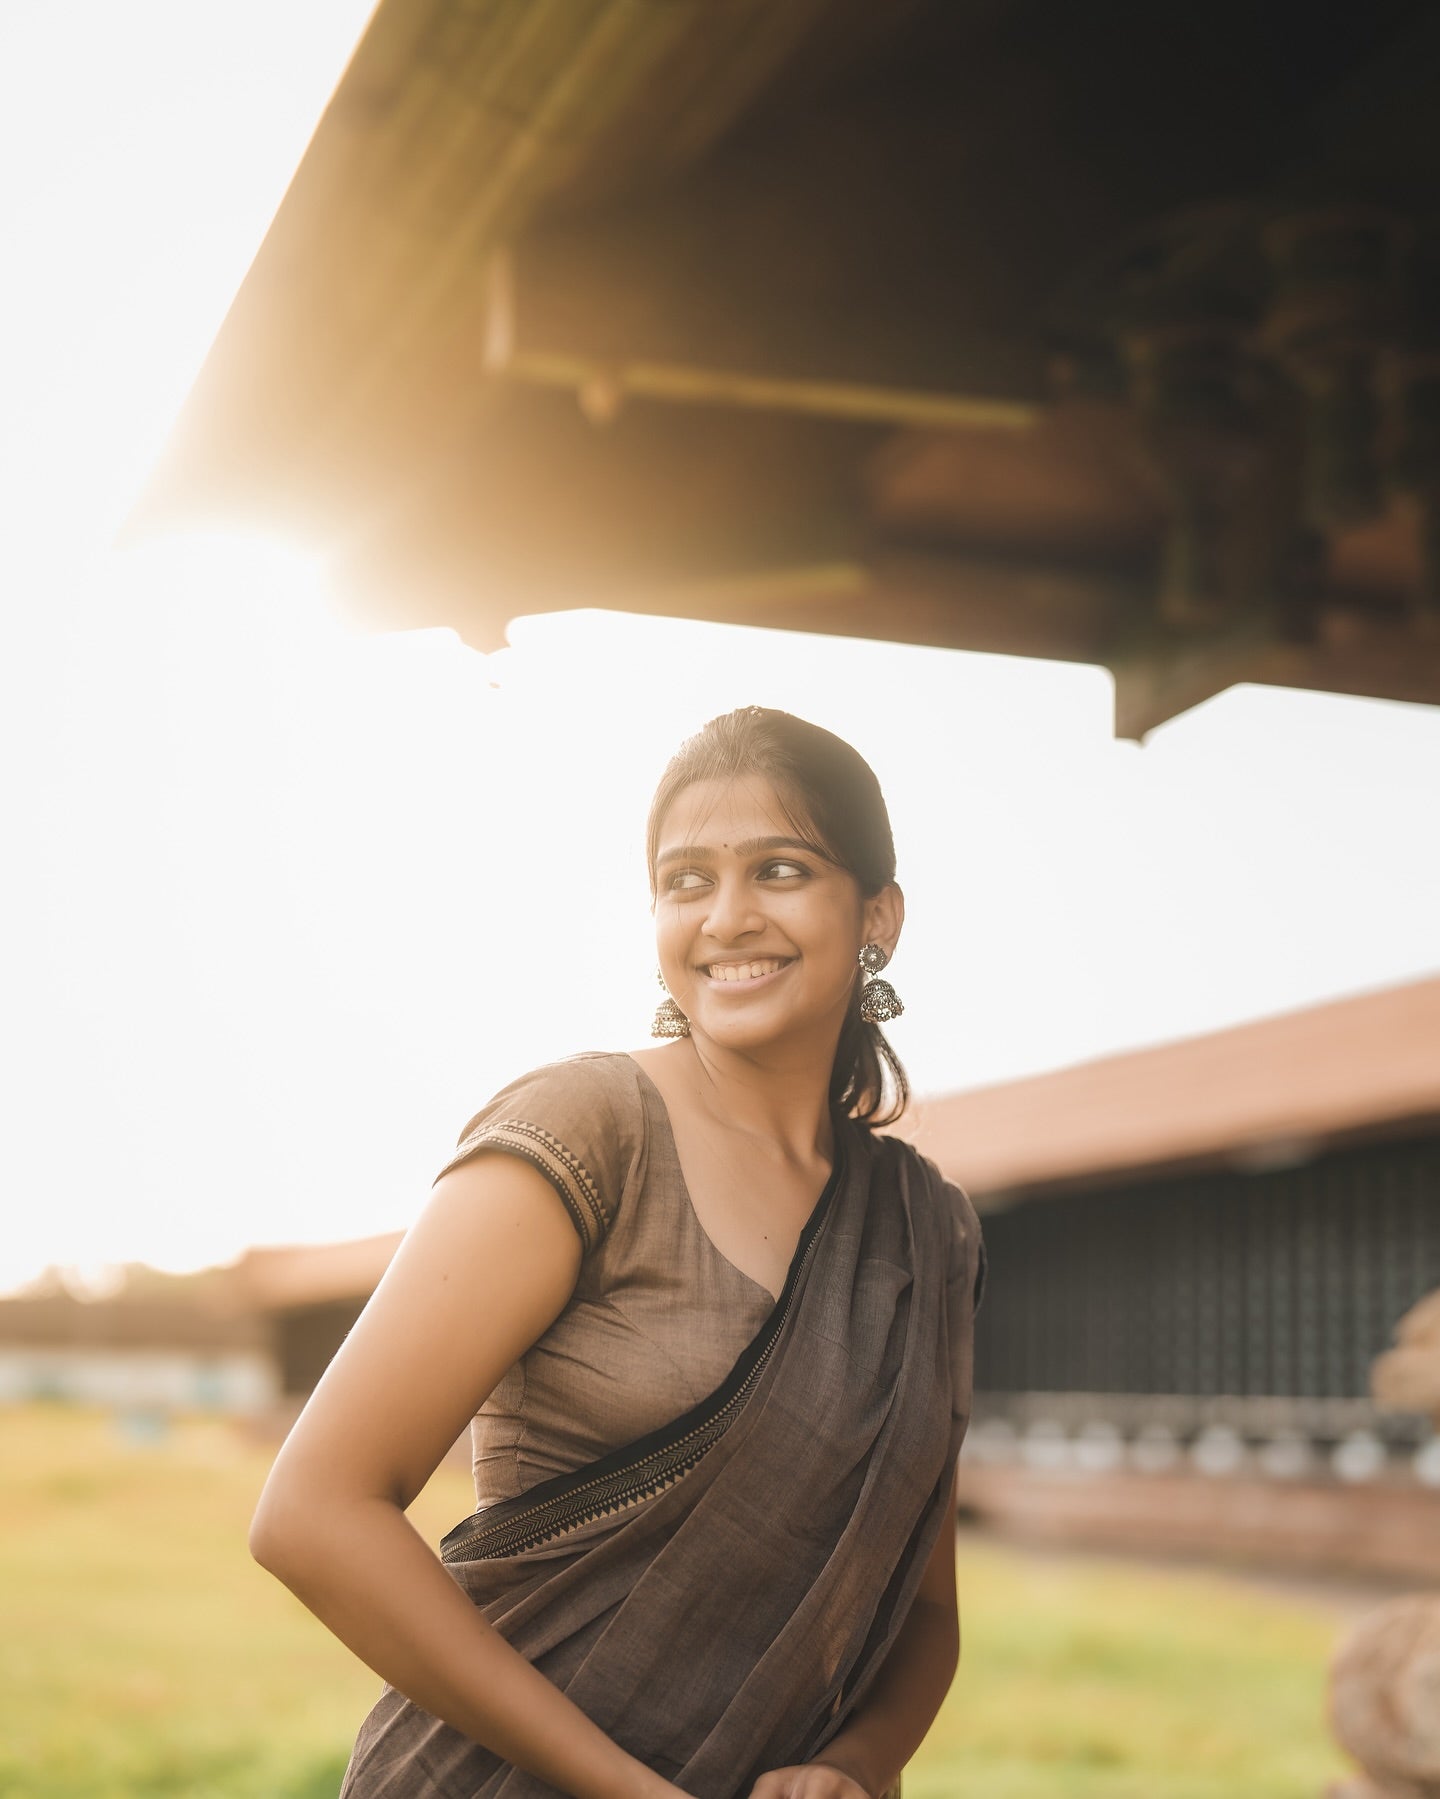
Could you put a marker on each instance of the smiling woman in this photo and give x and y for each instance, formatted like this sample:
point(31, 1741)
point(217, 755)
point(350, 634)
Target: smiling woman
point(714, 1337)
point(820, 801)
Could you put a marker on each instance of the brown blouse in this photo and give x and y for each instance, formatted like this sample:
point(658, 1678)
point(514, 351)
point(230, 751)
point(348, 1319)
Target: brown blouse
point(658, 1316)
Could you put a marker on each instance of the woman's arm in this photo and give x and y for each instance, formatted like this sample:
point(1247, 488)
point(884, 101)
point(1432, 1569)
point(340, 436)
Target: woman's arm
point(485, 1270)
point(877, 1741)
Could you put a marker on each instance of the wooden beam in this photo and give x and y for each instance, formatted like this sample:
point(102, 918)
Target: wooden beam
point(603, 387)
point(604, 378)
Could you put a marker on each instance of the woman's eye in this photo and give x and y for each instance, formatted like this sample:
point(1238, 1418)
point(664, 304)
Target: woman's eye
point(784, 869)
point(684, 878)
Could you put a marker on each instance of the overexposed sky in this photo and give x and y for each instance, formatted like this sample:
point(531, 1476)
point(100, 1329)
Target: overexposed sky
point(288, 902)
point(144, 148)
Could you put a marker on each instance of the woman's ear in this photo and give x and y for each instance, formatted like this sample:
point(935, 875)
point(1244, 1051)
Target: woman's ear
point(885, 917)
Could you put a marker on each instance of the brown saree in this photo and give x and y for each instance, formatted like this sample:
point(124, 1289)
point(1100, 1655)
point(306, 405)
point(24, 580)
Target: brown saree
point(719, 1595)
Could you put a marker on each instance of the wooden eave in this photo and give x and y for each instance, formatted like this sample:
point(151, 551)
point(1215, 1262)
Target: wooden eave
point(745, 311)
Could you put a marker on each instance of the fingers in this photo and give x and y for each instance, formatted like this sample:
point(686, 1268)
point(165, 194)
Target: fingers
point(810, 1781)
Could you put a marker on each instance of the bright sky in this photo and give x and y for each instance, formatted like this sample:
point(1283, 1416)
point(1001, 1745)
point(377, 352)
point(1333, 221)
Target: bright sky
point(288, 902)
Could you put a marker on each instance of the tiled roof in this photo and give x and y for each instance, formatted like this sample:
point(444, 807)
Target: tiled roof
point(1262, 1093)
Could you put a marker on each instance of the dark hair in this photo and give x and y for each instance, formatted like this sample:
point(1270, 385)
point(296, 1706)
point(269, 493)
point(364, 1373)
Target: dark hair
point(831, 794)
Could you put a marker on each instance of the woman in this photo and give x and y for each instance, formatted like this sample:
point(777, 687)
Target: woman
point(715, 1336)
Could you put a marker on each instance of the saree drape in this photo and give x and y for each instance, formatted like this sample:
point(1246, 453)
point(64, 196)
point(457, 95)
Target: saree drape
point(719, 1596)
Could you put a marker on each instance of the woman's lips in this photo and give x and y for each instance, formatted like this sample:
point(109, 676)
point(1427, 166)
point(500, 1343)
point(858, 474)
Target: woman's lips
point(745, 974)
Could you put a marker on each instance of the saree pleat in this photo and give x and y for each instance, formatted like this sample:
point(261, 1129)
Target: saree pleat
point(732, 1621)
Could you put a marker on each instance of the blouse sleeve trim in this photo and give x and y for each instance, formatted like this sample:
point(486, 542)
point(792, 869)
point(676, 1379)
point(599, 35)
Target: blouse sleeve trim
point(564, 1170)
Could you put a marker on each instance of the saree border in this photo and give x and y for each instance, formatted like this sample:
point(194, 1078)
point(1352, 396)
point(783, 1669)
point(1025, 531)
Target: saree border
point(650, 1464)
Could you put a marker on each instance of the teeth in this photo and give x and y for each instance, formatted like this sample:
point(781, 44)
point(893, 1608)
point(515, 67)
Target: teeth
point(743, 971)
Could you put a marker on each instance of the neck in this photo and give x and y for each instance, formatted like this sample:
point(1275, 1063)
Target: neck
point(780, 1096)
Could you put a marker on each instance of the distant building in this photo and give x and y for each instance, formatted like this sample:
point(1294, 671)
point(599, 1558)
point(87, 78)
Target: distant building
point(1196, 1252)
point(136, 1353)
point(309, 1295)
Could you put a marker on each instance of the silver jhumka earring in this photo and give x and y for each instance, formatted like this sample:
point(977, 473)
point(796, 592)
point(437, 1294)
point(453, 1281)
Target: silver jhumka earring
point(878, 999)
point(669, 1020)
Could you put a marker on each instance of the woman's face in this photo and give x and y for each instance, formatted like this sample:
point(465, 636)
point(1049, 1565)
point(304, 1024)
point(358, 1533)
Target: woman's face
point(757, 934)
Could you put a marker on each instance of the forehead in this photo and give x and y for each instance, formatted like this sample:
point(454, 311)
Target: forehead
point(714, 813)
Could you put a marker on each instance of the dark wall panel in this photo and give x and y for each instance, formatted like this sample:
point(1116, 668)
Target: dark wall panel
point(1284, 1283)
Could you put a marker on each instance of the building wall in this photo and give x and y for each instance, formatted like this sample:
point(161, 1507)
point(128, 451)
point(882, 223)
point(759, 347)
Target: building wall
point(306, 1337)
point(236, 1382)
point(1181, 1366)
point(1255, 1299)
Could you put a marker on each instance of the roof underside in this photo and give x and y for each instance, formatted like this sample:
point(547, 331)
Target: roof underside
point(999, 324)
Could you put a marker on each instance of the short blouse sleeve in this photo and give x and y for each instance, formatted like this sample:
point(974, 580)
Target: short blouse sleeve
point(580, 1123)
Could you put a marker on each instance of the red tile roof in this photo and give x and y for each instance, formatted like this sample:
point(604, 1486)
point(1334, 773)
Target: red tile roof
point(1256, 1094)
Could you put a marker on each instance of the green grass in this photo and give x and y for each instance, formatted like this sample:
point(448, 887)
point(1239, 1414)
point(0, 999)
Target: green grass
point(143, 1653)
point(1090, 1676)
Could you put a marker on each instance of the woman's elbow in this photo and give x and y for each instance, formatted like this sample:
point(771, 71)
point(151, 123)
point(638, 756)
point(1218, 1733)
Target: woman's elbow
point(278, 1531)
point(304, 1527)
point(266, 1538)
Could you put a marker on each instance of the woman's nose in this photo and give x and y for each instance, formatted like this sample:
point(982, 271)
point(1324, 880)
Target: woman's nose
point(732, 911)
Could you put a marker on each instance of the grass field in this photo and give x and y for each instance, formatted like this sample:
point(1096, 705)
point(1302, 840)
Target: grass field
point(142, 1652)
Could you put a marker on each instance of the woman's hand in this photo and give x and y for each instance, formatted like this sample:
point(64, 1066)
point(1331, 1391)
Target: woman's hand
point(811, 1780)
